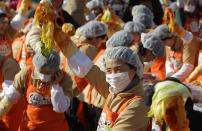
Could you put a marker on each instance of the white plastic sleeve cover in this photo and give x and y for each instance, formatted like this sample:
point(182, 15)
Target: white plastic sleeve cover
point(184, 72)
point(169, 69)
point(59, 101)
point(80, 64)
point(187, 37)
point(33, 39)
point(10, 92)
point(17, 22)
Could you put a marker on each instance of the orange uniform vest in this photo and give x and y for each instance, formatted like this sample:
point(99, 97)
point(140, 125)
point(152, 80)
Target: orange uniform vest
point(176, 59)
point(108, 118)
point(158, 68)
point(6, 47)
point(23, 56)
point(12, 119)
point(41, 117)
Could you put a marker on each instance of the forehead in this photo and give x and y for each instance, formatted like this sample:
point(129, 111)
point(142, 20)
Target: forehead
point(113, 63)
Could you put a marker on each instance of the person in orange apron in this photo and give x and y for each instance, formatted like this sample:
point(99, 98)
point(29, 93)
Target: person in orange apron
point(154, 53)
point(9, 68)
point(119, 83)
point(47, 91)
point(8, 29)
point(181, 51)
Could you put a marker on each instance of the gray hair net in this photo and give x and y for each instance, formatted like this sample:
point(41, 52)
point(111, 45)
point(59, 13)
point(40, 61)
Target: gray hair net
point(94, 4)
point(154, 44)
point(142, 9)
point(162, 32)
point(126, 55)
point(134, 27)
point(93, 29)
point(120, 38)
point(144, 19)
point(52, 61)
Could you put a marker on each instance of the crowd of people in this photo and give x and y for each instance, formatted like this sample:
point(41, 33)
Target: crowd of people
point(105, 65)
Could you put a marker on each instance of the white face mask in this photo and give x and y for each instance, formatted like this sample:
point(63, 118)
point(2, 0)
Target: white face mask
point(189, 8)
point(118, 81)
point(117, 7)
point(44, 78)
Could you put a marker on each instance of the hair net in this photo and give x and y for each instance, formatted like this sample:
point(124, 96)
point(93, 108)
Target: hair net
point(142, 9)
point(93, 4)
point(154, 44)
point(126, 55)
point(162, 32)
point(52, 61)
point(144, 19)
point(134, 27)
point(93, 29)
point(120, 38)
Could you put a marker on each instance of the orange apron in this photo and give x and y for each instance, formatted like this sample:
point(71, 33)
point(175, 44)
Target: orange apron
point(176, 59)
point(24, 58)
point(158, 68)
point(39, 114)
point(108, 118)
point(12, 119)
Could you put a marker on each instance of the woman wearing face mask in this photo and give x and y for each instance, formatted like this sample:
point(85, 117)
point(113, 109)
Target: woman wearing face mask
point(120, 84)
point(47, 94)
point(91, 95)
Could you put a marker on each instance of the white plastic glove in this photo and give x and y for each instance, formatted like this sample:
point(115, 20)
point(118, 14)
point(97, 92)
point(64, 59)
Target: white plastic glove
point(59, 101)
point(17, 22)
point(10, 92)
